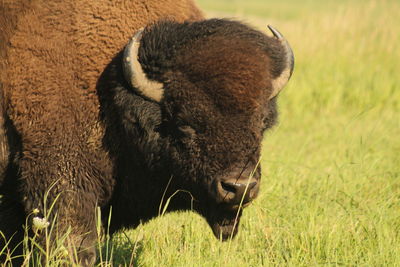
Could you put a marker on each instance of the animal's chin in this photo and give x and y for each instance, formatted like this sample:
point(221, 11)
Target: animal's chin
point(224, 223)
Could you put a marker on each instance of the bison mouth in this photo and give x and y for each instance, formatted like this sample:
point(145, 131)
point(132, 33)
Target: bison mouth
point(224, 222)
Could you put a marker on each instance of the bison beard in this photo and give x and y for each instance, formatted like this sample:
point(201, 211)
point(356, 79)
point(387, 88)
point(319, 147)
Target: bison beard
point(224, 223)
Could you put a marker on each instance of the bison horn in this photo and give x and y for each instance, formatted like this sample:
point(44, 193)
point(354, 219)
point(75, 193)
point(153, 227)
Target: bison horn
point(134, 74)
point(279, 82)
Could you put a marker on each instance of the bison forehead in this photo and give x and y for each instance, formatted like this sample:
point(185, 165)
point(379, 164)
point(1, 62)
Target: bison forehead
point(233, 72)
point(221, 136)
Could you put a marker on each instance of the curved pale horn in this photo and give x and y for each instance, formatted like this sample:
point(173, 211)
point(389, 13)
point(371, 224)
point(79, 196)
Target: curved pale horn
point(279, 82)
point(134, 74)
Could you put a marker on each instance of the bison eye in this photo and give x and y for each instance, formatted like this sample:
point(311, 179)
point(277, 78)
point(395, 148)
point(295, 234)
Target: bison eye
point(187, 131)
point(177, 131)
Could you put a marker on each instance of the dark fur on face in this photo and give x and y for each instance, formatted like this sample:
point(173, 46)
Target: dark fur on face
point(217, 82)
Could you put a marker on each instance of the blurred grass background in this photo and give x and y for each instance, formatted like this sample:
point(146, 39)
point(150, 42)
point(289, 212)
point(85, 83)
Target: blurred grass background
point(331, 168)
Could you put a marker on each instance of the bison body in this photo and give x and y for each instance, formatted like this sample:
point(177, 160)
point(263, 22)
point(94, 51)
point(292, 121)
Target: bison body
point(87, 123)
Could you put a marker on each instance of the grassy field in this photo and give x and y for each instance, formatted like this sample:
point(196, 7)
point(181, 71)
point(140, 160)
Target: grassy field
point(331, 185)
point(331, 168)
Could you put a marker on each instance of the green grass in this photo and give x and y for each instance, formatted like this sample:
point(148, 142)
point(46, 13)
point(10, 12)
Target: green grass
point(331, 169)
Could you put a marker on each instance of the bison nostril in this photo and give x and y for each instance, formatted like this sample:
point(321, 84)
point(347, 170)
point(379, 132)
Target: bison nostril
point(229, 187)
point(252, 185)
point(235, 187)
point(235, 193)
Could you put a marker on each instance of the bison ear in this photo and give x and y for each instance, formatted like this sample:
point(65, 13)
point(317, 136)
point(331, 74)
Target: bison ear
point(280, 82)
point(134, 74)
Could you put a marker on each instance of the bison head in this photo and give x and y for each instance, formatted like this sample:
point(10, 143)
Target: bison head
point(213, 84)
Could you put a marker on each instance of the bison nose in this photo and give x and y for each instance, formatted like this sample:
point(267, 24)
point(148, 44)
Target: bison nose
point(233, 192)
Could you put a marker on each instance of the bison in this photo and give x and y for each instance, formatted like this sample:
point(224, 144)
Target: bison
point(93, 117)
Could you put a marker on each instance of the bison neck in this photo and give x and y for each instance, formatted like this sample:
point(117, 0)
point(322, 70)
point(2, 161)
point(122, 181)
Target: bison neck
point(141, 168)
